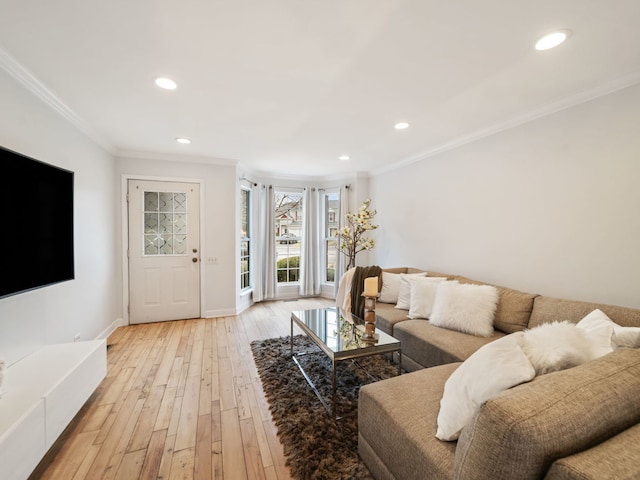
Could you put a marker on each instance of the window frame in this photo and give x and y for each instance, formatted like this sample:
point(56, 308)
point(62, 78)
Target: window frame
point(286, 239)
point(245, 237)
point(329, 229)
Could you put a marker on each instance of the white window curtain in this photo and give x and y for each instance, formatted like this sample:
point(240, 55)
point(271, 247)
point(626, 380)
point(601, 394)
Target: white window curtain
point(264, 287)
point(310, 261)
point(342, 215)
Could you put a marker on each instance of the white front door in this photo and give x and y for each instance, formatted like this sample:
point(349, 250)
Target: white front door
point(164, 251)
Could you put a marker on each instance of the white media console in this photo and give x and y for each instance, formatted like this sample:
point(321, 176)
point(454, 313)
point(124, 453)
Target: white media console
point(45, 390)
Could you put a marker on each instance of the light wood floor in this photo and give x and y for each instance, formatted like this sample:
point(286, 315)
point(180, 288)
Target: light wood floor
point(181, 400)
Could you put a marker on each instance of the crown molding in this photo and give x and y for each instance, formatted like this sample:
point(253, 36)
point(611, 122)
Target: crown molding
point(23, 76)
point(549, 109)
point(176, 157)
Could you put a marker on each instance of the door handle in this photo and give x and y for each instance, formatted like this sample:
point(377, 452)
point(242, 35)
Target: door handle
point(194, 260)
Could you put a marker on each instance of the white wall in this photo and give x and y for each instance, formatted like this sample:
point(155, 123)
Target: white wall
point(550, 207)
point(221, 193)
point(86, 305)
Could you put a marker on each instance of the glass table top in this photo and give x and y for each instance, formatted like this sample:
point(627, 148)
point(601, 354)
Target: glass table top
point(339, 330)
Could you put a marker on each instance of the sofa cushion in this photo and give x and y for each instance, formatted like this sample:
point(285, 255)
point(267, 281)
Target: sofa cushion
point(548, 309)
point(387, 316)
point(618, 457)
point(514, 307)
point(430, 345)
point(520, 433)
point(397, 420)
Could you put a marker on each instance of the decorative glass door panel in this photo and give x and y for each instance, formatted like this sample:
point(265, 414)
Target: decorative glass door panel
point(165, 223)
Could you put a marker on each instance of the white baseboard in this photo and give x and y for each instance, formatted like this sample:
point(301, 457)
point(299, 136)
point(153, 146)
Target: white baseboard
point(225, 312)
point(118, 322)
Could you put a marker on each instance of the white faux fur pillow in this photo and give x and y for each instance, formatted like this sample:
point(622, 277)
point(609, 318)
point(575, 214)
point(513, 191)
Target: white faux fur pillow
point(560, 345)
point(404, 289)
point(465, 307)
point(423, 294)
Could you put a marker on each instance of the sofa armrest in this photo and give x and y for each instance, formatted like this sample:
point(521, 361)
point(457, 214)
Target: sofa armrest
point(520, 433)
point(618, 457)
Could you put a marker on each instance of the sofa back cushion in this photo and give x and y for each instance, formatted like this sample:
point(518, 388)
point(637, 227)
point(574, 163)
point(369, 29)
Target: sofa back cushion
point(514, 307)
point(520, 433)
point(548, 309)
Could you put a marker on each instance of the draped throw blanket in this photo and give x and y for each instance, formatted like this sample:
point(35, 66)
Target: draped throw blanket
point(357, 287)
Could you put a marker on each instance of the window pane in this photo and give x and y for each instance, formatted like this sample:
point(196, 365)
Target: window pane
point(288, 228)
point(330, 260)
point(332, 206)
point(165, 202)
point(245, 244)
point(331, 211)
point(244, 213)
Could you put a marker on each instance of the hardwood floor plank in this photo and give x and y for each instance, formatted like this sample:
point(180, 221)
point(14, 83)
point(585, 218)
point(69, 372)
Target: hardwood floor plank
point(166, 409)
point(182, 464)
point(154, 454)
point(252, 457)
point(203, 458)
point(110, 455)
point(131, 465)
point(181, 400)
point(147, 420)
point(164, 471)
point(216, 461)
point(233, 461)
point(188, 423)
point(71, 456)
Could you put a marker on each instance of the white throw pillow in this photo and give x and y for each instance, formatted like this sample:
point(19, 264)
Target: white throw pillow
point(622, 336)
point(404, 289)
point(391, 286)
point(559, 345)
point(465, 307)
point(493, 368)
point(423, 293)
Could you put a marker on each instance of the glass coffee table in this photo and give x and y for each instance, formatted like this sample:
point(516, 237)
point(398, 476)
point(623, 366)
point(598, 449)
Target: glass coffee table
point(339, 335)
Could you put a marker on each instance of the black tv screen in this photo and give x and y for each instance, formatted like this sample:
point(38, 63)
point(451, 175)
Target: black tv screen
point(37, 224)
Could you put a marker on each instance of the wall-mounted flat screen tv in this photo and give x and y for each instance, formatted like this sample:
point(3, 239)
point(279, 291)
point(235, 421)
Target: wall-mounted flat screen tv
point(36, 241)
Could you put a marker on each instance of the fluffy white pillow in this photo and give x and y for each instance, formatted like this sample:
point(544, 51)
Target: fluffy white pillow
point(559, 345)
point(465, 307)
point(622, 336)
point(423, 293)
point(493, 368)
point(404, 289)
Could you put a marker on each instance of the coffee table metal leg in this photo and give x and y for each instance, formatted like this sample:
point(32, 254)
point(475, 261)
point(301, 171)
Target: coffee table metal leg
point(399, 361)
point(291, 336)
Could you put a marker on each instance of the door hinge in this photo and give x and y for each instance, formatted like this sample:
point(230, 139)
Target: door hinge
point(129, 308)
point(127, 197)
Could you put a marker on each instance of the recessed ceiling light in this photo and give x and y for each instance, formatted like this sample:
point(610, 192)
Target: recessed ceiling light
point(166, 83)
point(183, 140)
point(344, 157)
point(552, 39)
point(401, 125)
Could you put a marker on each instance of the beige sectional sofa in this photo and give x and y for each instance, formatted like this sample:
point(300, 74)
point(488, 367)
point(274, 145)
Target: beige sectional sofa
point(579, 423)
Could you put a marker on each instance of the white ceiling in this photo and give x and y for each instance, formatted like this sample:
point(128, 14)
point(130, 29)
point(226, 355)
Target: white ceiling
point(286, 86)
